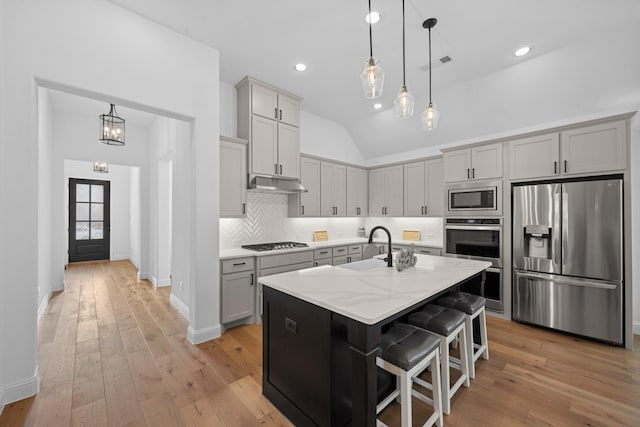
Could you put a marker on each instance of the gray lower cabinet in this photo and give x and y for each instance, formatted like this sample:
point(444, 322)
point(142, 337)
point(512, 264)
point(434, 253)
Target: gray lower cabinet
point(238, 291)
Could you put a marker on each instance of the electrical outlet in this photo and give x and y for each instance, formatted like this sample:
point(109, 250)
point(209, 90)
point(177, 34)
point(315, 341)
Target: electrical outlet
point(181, 286)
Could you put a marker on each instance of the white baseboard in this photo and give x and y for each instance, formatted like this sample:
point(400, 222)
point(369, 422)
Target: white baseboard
point(636, 328)
point(202, 335)
point(135, 262)
point(143, 275)
point(44, 304)
point(21, 389)
point(153, 281)
point(118, 257)
point(163, 282)
point(1, 400)
point(179, 305)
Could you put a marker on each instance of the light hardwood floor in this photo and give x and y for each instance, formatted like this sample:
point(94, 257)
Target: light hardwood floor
point(112, 351)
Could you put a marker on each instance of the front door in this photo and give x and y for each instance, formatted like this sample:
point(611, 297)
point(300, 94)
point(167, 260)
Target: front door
point(89, 223)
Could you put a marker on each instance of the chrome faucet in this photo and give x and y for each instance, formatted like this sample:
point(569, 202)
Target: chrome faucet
point(389, 258)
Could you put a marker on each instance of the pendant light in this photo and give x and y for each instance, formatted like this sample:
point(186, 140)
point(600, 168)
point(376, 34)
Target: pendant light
point(404, 101)
point(100, 167)
point(430, 115)
point(372, 77)
point(112, 128)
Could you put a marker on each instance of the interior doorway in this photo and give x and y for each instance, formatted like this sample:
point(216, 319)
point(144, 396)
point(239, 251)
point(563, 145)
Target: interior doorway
point(89, 220)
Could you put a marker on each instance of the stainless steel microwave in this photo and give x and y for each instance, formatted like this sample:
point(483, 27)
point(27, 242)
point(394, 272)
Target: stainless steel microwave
point(472, 198)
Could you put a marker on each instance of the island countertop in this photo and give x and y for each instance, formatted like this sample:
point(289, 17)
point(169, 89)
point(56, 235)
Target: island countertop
point(369, 291)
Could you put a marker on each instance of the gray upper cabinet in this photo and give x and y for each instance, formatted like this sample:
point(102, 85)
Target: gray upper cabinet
point(585, 150)
point(386, 191)
point(357, 192)
point(333, 189)
point(233, 177)
point(307, 204)
point(269, 119)
point(480, 162)
point(424, 188)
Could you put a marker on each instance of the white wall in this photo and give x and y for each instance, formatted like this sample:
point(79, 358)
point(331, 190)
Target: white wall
point(64, 45)
point(120, 209)
point(635, 215)
point(135, 218)
point(45, 201)
point(3, 176)
point(228, 110)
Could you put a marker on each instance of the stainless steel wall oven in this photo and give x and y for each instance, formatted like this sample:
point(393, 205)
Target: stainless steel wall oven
point(479, 239)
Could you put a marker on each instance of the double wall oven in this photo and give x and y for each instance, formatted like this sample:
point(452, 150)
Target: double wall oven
point(473, 230)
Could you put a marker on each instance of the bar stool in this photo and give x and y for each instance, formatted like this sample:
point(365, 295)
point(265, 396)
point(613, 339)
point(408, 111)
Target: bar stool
point(405, 351)
point(448, 325)
point(473, 307)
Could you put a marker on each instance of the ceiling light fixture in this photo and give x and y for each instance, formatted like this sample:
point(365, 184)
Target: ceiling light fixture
point(430, 115)
point(404, 101)
point(301, 67)
point(522, 51)
point(100, 167)
point(377, 106)
point(372, 78)
point(112, 128)
point(372, 17)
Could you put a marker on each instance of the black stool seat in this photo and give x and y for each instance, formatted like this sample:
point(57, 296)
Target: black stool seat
point(405, 345)
point(438, 319)
point(463, 301)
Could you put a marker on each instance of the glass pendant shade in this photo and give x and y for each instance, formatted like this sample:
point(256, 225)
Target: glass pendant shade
point(372, 79)
point(404, 103)
point(112, 128)
point(430, 117)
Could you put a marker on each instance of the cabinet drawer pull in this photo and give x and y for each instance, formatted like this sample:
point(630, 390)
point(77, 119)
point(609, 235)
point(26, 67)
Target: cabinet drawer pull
point(324, 252)
point(236, 264)
point(340, 250)
point(555, 167)
point(565, 166)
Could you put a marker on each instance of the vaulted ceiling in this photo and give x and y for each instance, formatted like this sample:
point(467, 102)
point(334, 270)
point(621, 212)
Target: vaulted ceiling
point(584, 59)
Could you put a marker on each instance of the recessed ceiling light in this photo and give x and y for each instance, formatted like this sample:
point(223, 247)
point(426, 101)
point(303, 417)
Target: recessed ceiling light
point(522, 51)
point(377, 106)
point(301, 67)
point(375, 17)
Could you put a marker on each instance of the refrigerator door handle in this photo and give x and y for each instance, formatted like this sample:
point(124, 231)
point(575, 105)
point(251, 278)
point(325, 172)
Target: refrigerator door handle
point(556, 249)
point(569, 280)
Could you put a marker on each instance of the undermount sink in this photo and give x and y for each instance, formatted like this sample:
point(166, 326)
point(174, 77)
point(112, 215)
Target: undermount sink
point(366, 264)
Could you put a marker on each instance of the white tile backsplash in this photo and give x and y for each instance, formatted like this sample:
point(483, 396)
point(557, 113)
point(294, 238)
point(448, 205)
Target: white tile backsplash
point(267, 221)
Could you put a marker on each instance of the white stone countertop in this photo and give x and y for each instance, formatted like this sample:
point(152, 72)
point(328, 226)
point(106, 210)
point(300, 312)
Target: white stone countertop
point(368, 291)
point(239, 252)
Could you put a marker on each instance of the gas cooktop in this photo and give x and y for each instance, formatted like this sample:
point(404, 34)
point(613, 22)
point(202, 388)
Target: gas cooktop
point(273, 246)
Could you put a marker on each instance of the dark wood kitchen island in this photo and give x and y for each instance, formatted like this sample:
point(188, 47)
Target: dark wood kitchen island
point(322, 328)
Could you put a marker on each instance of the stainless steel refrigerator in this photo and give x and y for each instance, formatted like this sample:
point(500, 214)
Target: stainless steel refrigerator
point(568, 257)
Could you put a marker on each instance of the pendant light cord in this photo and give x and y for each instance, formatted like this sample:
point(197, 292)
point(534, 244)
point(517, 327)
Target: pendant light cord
point(430, 66)
point(404, 83)
point(370, 36)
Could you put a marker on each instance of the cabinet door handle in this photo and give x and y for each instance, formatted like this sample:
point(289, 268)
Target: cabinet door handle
point(316, 263)
point(251, 279)
point(244, 208)
point(348, 259)
point(301, 209)
point(565, 166)
point(276, 167)
point(280, 169)
point(555, 167)
point(237, 264)
point(468, 173)
point(422, 210)
point(280, 114)
point(276, 116)
point(473, 173)
point(426, 210)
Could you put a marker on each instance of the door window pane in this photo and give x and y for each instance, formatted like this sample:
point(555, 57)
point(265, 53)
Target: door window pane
point(97, 230)
point(96, 212)
point(82, 192)
point(82, 211)
point(82, 231)
point(97, 193)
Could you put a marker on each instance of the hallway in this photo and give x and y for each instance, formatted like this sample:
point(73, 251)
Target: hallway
point(112, 351)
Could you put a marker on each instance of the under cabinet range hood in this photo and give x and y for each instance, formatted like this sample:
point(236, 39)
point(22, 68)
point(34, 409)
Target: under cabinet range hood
point(276, 185)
